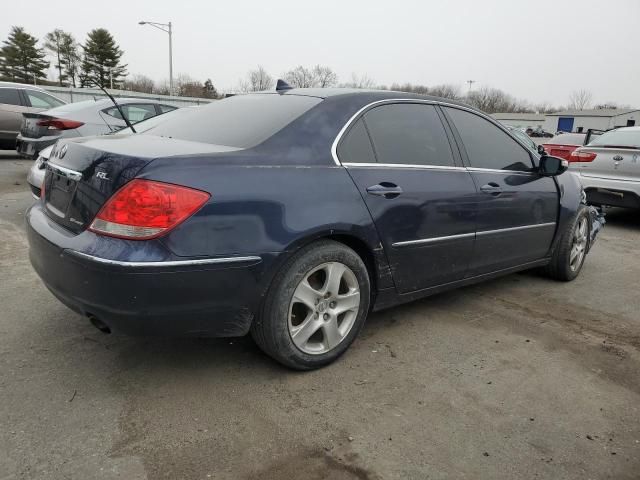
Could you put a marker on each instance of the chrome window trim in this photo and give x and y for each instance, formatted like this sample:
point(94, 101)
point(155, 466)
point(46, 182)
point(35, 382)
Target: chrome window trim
point(401, 165)
point(426, 241)
point(66, 172)
point(168, 263)
point(334, 146)
point(495, 170)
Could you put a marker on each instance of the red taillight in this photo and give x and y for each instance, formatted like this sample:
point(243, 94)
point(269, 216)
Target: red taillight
point(145, 209)
point(578, 156)
point(59, 124)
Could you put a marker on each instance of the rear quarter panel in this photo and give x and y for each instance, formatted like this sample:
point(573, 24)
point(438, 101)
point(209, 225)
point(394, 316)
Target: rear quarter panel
point(269, 211)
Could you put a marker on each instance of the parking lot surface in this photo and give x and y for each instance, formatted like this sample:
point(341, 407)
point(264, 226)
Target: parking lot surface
point(520, 377)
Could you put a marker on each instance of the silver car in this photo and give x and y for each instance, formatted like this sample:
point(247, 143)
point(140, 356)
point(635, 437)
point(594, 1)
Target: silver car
point(609, 168)
point(16, 99)
point(81, 119)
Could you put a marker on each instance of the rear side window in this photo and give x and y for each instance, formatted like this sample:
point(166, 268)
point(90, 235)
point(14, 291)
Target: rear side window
point(42, 100)
point(9, 96)
point(487, 146)
point(135, 113)
point(166, 108)
point(618, 138)
point(241, 121)
point(356, 147)
point(410, 134)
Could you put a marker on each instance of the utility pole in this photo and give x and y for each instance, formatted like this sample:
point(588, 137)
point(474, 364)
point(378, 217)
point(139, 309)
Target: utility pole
point(470, 82)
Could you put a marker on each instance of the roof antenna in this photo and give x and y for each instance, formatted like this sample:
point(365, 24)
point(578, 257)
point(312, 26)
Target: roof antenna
point(282, 86)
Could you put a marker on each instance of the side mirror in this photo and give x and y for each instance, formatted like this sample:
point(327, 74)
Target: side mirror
point(552, 166)
point(541, 150)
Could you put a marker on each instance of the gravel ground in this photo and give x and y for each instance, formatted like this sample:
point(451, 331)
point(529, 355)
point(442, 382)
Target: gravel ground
point(520, 377)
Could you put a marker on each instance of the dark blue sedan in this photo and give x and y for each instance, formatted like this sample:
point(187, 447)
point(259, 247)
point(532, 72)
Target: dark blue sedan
point(292, 214)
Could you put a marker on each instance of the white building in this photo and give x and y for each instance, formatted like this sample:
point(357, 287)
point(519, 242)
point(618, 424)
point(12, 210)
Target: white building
point(582, 120)
point(520, 120)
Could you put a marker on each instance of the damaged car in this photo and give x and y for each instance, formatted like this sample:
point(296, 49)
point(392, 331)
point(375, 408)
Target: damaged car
point(292, 214)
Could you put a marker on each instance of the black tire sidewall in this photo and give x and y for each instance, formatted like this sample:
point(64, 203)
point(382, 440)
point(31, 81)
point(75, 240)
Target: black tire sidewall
point(276, 310)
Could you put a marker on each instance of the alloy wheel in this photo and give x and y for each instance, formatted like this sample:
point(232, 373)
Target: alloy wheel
point(324, 308)
point(578, 244)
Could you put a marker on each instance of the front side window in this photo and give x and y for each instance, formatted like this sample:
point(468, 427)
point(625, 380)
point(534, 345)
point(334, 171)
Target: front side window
point(9, 96)
point(356, 147)
point(488, 146)
point(42, 100)
point(409, 133)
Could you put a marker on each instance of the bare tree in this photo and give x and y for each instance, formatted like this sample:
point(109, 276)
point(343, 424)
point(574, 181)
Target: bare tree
point(580, 99)
point(494, 100)
point(359, 81)
point(324, 77)
point(139, 83)
point(319, 76)
point(257, 80)
point(300, 77)
point(449, 91)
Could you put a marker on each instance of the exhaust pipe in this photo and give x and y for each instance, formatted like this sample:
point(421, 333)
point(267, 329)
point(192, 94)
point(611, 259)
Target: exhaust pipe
point(99, 324)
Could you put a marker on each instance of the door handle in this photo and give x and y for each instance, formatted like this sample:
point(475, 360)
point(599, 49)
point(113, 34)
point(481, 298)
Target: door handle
point(385, 189)
point(491, 188)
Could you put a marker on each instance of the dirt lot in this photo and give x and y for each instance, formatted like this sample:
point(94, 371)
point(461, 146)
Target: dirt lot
point(520, 377)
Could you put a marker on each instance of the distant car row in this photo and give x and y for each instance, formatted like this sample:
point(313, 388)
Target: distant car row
point(32, 119)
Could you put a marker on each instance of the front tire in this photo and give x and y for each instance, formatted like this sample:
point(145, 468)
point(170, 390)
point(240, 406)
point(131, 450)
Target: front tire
point(315, 307)
point(571, 251)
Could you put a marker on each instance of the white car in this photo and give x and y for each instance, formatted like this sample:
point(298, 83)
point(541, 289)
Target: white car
point(609, 168)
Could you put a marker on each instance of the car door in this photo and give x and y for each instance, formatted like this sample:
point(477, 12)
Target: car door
point(11, 110)
point(400, 157)
point(517, 209)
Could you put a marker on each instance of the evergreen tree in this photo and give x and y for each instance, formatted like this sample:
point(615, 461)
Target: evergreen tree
point(209, 91)
point(101, 62)
point(20, 57)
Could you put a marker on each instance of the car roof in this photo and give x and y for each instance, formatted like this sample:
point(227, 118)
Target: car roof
point(371, 93)
point(21, 85)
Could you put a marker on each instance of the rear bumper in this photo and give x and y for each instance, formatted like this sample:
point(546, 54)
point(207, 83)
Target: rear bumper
point(611, 191)
point(30, 147)
point(173, 297)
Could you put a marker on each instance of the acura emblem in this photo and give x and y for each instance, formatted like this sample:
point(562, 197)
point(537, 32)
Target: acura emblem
point(617, 158)
point(63, 150)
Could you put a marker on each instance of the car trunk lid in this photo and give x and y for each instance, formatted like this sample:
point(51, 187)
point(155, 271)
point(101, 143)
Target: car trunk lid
point(611, 162)
point(83, 173)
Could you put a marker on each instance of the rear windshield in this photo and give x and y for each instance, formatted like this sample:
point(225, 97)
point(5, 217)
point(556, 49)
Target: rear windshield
point(618, 138)
point(242, 121)
point(567, 139)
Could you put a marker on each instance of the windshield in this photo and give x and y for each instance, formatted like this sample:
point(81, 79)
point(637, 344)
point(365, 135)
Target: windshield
point(241, 121)
point(618, 138)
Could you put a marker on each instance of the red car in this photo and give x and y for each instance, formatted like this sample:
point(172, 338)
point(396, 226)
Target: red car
point(562, 145)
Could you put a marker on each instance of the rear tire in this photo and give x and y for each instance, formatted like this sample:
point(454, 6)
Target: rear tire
point(571, 251)
point(315, 306)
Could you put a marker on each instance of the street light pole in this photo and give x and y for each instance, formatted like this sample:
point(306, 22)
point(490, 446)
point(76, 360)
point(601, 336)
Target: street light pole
point(165, 27)
point(170, 61)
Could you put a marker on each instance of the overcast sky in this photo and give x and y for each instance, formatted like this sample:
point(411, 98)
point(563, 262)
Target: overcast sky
point(537, 50)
